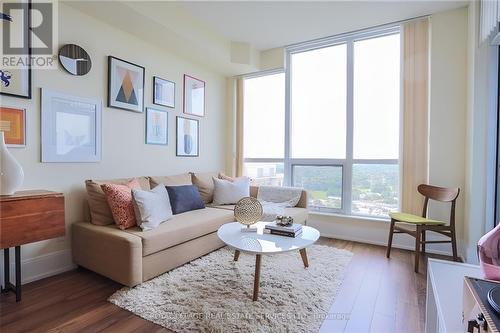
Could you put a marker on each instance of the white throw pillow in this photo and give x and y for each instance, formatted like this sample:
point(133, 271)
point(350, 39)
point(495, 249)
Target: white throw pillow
point(151, 207)
point(228, 193)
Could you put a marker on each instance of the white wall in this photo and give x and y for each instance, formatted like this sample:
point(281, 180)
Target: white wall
point(447, 119)
point(481, 136)
point(124, 153)
point(447, 100)
point(272, 59)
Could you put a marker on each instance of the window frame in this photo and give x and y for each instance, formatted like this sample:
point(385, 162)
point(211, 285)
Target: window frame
point(347, 164)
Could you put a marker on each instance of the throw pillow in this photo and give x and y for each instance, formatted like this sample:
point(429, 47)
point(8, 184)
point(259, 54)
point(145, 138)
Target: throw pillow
point(119, 198)
point(151, 207)
point(100, 212)
point(205, 185)
point(184, 198)
point(230, 192)
point(231, 179)
point(175, 180)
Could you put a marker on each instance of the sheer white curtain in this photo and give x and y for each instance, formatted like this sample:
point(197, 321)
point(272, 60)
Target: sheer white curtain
point(415, 161)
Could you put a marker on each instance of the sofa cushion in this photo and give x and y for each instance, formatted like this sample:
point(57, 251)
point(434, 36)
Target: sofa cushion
point(100, 213)
point(205, 184)
point(184, 198)
point(151, 207)
point(226, 207)
point(227, 192)
point(120, 201)
point(299, 214)
point(175, 180)
point(182, 228)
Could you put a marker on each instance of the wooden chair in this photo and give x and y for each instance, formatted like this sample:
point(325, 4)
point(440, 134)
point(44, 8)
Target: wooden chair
point(423, 224)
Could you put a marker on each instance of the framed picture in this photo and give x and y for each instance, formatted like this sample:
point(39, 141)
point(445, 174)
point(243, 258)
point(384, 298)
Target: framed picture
point(163, 92)
point(15, 80)
point(188, 132)
point(13, 124)
point(125, 85)
point(71, 128)
point(156, 127)
point(194, 96)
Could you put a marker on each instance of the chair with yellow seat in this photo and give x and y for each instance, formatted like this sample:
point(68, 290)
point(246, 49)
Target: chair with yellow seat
point(423, 224)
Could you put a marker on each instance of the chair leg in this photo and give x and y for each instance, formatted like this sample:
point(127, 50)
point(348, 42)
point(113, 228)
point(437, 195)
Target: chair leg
point(389, 242)
point(423, 241)
point(417, 247)
point(454, 245)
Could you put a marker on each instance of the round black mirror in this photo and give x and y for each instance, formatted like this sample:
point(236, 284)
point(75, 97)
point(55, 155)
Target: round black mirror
point(74, 59)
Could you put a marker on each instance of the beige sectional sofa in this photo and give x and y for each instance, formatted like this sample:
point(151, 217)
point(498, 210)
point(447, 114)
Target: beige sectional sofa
point(133, 256)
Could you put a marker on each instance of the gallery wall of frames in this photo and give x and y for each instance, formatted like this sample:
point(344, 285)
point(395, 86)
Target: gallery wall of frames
point(71, 126)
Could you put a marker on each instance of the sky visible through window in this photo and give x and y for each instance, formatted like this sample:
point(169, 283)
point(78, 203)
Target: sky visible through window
point(264, 106)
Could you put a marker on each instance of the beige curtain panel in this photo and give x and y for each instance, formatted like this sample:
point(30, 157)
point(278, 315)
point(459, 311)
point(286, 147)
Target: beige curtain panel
point(415, 160)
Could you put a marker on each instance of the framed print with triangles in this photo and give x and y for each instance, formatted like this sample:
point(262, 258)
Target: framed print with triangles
point(125, 85)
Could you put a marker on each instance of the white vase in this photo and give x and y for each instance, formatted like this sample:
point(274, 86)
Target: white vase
point(11, 172)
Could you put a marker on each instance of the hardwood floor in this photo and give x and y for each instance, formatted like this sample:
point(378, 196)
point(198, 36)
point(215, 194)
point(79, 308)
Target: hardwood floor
point(377, 295)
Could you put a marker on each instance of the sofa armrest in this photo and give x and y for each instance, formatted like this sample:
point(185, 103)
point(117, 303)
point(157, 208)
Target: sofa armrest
point(302, 201)
point(108, 251)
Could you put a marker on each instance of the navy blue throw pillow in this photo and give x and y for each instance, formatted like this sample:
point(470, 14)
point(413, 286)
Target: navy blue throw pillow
point(184, 198)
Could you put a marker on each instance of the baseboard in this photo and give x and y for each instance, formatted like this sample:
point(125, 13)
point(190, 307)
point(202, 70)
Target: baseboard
point(394, 245)
point(40, 267)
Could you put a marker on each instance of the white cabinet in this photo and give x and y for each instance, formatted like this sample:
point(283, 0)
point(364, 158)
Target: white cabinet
point(445, 280)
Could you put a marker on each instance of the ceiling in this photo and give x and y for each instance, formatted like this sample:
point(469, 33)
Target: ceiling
point(217, 34)
point(268, 25)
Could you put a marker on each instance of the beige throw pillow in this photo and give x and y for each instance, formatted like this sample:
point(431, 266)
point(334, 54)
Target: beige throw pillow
point(205, 184)
point(175, 180)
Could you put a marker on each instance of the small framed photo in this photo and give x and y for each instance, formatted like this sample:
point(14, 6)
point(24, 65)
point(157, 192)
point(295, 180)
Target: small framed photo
point(156, 127)
point(125, 85)
point(194, 96)
point(188, 132)
point(71, 128)
point(13, 124)
point(163, 92)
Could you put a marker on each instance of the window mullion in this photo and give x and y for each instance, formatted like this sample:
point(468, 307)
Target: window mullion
point(347, 169)
point(287, 181)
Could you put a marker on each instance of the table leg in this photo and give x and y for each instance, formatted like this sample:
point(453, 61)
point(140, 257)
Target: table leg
point(6, 270)
point(18, 273)
point(236, 255)
point(303, 254)
point(256, 280)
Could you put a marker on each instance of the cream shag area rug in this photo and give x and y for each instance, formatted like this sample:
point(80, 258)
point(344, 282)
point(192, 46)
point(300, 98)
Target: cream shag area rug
point(214, 293)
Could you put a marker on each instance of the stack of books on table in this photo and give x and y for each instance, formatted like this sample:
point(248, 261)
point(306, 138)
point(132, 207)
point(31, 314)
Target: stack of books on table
point(292, 230)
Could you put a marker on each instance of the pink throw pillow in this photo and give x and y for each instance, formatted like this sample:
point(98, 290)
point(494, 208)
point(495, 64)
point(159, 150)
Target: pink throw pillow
point(119, 198)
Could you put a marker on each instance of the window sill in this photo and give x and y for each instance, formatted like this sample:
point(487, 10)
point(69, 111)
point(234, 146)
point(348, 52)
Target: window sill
point(352, 217)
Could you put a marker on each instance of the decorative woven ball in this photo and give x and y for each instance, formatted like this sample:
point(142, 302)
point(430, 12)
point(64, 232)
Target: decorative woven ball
point(248, 211)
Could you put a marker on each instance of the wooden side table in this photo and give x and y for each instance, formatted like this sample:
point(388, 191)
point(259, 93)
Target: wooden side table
point(27, 217)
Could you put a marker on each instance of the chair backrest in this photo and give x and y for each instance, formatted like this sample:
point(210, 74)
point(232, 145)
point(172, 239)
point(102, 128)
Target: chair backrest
point(442, 194)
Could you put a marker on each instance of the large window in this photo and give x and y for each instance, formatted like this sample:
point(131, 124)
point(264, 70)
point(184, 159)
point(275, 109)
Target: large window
point(264, 128)
point(341, 115)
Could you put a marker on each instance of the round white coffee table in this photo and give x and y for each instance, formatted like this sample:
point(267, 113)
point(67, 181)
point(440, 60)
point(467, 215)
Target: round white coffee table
point(259, 243)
